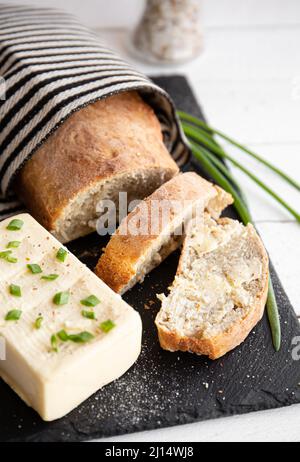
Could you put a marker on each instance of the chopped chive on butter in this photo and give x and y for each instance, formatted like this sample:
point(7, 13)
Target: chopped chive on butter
point(61, 254)
point(53, 341)
point(15, 290)
point(92, 300)
point(11, 259)
point(15, 225)
point(13, 315)
point(88, 314)
point(62, 335)
point(38, 322)
point(5, 253)
point(106, 326)
point(82, 337)
point(13, 244)
point(49, 277)
point(61, 298)
point(34, 268)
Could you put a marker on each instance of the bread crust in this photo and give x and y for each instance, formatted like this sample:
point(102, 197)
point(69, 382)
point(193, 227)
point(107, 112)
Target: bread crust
point(110, 137)
point(219, 345)
point(117, 265)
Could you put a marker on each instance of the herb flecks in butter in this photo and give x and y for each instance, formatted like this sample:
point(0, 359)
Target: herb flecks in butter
point(50, 277)
point(6, 255)
point(38, 322)
point(15, 290)
point(92, 300)
point(61, 298)
point(53, 341)
point(11, 259)
point(34, 268)
point(88, 314)
point(107, 326)
point(15, 225)
point(82, 337)
point(62, 335)
point(13, 315)
point(13, 244)
point(61, 254)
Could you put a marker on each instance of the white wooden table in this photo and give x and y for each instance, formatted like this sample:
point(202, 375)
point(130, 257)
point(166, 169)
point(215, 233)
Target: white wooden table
point(248, 82)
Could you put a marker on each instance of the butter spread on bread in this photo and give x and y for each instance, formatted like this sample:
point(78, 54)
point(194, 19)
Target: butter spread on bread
point(219, 292)
point(128, 257)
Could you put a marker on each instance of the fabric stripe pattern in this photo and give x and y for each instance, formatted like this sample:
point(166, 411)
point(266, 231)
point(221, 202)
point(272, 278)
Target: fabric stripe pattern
point(52, 66)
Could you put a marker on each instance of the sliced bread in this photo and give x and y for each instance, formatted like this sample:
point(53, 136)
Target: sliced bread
point(219, 291)
point(113, 145)
point(128, 257)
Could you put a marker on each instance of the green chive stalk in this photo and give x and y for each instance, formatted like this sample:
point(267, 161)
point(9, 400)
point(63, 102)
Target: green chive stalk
point(200, 154)
point(223, 169)
point(200, 123)
point(195, 134)
point(273, 316)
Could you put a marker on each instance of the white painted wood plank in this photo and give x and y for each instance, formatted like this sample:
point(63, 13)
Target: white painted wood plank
point(228, 13)
point(255, 112)
point(273, 425)
point(251, 89)
point(282, 242)
point(231, 54)
point(285, 156)
point(262, 206)
point(96, 13)
point(216, 13)
point(249, 54)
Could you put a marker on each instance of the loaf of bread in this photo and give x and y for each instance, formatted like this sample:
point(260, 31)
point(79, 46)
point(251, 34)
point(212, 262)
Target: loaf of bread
point(219, 291)
point(129, 257)
point(113, 145)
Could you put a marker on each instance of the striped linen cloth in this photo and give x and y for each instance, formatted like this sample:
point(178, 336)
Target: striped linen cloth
point(50, 66)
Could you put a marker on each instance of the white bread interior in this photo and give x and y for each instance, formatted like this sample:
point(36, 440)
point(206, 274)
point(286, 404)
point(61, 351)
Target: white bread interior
point(80, 216)
point(219, 292)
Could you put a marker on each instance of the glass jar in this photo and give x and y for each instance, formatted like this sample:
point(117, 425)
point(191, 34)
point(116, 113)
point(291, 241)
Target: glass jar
point(169, 31)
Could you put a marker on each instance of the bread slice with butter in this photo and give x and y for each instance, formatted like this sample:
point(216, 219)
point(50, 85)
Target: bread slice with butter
point(219, 292)
point(132, 253)
point(66, 333)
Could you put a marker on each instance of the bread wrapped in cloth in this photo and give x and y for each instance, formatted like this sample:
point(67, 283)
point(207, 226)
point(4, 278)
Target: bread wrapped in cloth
point(112, 145)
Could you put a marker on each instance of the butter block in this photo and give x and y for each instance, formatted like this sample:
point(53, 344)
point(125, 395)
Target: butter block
point(53, 374)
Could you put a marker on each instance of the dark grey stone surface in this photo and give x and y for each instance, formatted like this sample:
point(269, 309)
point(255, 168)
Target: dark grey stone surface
point(162, 388)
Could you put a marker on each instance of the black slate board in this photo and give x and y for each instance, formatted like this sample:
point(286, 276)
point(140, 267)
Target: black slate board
point(162, 388)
